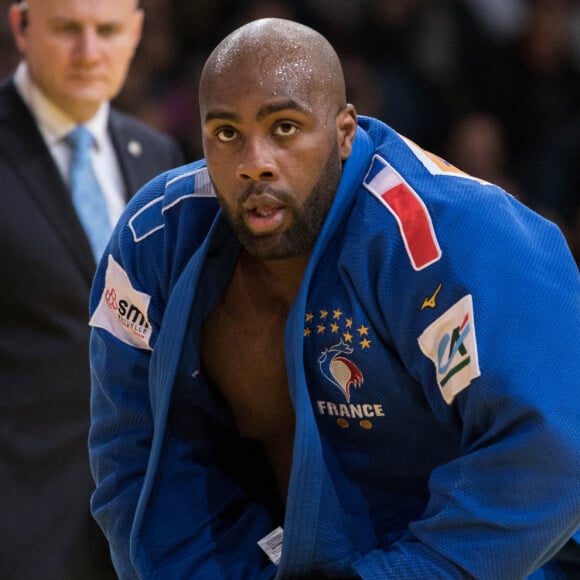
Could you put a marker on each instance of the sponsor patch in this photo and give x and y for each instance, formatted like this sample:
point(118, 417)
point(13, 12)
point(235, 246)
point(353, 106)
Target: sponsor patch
point(122, 310)
point(450, 343)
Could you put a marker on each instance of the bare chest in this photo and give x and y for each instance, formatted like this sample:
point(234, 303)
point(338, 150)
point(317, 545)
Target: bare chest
point(242, 352)
point(244, 357)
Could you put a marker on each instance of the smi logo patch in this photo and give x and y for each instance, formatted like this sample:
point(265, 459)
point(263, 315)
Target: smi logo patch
point(122, 310)
point(450, 343)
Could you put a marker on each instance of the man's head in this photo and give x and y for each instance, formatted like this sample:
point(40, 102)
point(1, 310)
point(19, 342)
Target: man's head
point(276, 128)
point(78, 51)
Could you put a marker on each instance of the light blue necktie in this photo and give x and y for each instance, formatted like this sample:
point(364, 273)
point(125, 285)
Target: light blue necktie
point(87, 194)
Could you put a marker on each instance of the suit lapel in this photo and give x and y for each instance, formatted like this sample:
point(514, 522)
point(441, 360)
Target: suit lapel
point(23, 147)
point(129, 150)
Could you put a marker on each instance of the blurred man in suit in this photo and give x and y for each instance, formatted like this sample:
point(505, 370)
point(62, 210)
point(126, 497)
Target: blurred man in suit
point(75, 58)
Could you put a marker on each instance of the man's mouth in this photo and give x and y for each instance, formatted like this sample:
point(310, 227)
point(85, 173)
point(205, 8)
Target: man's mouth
point(264, 211)
point(265, 219)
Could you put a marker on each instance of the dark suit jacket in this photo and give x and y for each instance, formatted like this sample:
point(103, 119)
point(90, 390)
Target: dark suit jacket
point(46, 268)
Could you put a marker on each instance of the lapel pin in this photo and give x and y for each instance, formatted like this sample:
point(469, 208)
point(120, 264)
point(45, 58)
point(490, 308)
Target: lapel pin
point(135, 148)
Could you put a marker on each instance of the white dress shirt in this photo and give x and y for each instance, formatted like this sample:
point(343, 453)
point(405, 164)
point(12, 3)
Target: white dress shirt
point(54, 125)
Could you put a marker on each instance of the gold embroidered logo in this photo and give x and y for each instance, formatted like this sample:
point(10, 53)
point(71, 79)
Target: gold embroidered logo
point(431, 301)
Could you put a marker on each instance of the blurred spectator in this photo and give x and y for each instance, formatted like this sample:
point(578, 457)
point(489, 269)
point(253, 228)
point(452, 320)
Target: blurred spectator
point(535, 88)
point(8, 53)
point(476, 143)
point(553, 177)
point(74, 58)
point(501, 18)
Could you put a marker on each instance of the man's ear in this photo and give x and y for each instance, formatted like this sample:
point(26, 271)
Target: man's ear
point(346, 129)
point(18, 21)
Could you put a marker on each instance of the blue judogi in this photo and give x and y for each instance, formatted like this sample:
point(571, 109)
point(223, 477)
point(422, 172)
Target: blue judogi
point(432, 359)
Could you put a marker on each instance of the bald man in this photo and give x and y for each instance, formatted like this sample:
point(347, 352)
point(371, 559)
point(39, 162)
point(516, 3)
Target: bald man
point(310, 349)
point(75, 58)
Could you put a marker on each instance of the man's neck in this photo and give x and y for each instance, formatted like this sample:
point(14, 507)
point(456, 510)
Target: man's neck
point(279, 278)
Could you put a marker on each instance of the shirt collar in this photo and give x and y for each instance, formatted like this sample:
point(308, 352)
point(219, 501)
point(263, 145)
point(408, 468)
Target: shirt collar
point(55, 124)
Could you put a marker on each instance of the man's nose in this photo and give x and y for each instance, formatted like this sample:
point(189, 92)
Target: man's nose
point(258, 161)
point(88, 44)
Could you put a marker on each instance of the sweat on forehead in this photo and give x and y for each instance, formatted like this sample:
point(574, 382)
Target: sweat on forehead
point(280, 47)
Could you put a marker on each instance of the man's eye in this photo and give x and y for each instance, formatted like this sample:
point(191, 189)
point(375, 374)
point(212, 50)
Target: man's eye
point(107, 30)
point(286, 129)
point(226, 134)
point(69, 29)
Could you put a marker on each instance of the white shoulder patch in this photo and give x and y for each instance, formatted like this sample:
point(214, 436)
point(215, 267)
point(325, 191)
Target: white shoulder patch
point(450, 343)
point(436, 165)
point(122, 310)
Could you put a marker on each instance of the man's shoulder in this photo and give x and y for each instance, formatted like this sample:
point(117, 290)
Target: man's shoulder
point(10, 101)
point(146, 150)
point(176, 196)
point(7, 84)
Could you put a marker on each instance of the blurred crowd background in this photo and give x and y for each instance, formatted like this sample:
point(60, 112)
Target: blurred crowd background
point(493, 86)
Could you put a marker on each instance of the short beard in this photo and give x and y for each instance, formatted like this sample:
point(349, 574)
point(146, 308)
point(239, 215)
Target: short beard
point(307, 220)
